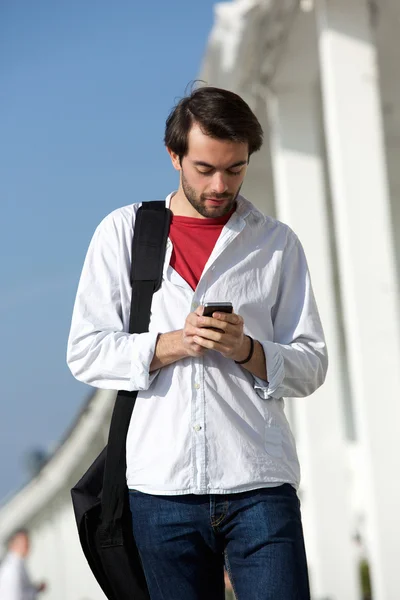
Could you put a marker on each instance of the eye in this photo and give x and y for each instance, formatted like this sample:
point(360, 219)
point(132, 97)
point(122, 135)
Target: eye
point(207, 172)
point(234, 172)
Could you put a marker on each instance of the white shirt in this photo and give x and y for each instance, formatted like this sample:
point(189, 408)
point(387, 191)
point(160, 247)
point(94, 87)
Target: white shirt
point(204, 425)
point(14, 580)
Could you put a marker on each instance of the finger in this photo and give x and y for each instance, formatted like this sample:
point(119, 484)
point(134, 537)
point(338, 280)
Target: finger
point(208, 322)
point(226, 327)
point(193, 320)
point(190, 329)
point(213, 345)
point(231, 318)
point(193, 347)
point(205, 343)
point(209, 334)
point(199, 350)
point(199, 311)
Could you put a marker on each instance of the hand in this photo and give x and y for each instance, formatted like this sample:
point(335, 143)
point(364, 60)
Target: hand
point(222, 332)
point(189, 331)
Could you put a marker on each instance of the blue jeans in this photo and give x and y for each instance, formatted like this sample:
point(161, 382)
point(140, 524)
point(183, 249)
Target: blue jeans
point(185, 541)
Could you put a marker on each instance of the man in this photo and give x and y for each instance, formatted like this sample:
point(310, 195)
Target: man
point(212, 468)
point(14, 580)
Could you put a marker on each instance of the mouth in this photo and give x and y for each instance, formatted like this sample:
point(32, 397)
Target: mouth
point(216, 201)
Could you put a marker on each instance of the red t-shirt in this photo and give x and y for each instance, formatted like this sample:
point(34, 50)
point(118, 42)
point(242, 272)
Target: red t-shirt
point(193, 240)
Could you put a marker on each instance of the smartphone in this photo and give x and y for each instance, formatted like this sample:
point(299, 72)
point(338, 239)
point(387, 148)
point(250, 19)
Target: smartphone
point(212, 307)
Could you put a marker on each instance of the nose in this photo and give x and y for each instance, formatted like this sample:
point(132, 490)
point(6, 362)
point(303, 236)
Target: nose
point(219, 185)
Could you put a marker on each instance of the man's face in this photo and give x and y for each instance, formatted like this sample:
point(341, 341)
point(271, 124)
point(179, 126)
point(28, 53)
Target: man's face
point(20, 544)
point(212, 173)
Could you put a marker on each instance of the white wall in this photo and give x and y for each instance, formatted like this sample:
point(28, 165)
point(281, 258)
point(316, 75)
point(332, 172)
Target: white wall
point(44, 507)
point(388, 43)
point(56, 555)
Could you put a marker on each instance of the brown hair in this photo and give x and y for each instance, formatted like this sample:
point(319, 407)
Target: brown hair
point(221, 114)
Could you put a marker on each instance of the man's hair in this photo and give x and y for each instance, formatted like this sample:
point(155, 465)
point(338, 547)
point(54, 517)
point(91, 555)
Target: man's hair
point(13, 535)
point(221, 114)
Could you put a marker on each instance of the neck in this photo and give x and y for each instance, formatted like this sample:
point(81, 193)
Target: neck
point(181, 207)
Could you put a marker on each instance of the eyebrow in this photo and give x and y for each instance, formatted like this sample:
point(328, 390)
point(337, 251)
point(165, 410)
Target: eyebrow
point(200, 163)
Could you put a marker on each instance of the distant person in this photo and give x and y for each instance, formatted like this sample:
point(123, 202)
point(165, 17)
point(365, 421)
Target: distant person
point(15, 583)
point(212, 468)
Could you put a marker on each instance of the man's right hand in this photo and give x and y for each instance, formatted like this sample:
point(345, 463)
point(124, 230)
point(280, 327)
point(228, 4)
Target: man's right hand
point(189, 332)
point(175, 345)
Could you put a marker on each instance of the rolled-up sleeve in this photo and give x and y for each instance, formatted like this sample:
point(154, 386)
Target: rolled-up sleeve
point(100, 351)
point(296, 359)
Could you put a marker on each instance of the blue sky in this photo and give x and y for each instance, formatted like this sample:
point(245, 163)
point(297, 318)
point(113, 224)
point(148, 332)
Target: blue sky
point(85, 88)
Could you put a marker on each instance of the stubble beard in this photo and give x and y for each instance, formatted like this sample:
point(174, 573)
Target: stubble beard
point(198, 203)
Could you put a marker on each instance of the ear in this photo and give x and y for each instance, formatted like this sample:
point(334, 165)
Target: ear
point(174, 159)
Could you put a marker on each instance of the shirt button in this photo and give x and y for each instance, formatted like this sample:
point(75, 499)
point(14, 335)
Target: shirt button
point(196, 386)
point(194, 305)
point(197, 427)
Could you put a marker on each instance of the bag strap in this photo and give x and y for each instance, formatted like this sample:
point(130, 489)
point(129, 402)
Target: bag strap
point(147, 262)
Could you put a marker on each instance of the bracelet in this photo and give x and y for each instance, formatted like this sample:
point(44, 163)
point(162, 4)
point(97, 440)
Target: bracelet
point(242, 362)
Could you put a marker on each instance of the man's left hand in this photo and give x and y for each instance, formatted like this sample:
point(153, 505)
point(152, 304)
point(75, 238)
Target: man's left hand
point(226, 335)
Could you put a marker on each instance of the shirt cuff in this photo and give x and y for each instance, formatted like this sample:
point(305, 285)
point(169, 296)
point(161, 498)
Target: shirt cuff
point(143, 353)
point(275, 371)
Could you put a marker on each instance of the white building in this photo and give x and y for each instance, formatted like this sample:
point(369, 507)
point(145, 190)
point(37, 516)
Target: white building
point(324, 80)
point(44, 507)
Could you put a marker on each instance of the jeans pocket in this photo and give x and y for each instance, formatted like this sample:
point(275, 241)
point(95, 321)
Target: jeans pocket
point(273, 441)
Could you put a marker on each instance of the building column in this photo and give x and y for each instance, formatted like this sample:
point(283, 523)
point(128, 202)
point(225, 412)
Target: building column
point(318, 420)
point(300, 192)
point(354, 139)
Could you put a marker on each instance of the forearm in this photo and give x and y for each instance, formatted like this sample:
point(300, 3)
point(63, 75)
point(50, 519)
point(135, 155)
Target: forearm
point(169, 349)
point(257, 364)
point(295, 370)
point(114, 360)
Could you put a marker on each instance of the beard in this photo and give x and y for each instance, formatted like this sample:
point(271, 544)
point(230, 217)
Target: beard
point(198, 202)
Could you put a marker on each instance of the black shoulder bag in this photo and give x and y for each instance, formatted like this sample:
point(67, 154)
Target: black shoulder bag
point(100, 498)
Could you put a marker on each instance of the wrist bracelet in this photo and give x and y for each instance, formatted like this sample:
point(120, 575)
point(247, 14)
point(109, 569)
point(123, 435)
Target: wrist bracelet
point(242, 362)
